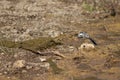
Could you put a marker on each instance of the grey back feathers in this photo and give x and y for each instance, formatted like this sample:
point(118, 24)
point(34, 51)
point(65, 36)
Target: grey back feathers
point(85, 35)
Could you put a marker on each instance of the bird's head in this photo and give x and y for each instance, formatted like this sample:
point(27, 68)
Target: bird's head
point(83, 35)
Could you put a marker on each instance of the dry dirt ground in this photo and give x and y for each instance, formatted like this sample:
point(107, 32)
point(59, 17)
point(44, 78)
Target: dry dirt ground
point(48, 18)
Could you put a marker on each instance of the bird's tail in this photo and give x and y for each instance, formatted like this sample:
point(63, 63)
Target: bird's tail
point(93, 41)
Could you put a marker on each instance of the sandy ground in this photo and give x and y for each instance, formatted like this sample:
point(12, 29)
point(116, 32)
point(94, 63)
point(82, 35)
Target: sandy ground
point(24, 20)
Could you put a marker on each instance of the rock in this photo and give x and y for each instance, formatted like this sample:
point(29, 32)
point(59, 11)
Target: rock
point(24, 71)
point(2, 53)
point(19, 64)
point(29, 67)
point(20, 54)
point(71, 48)
point(87, 46)
point(37, 66)
point(54, 33)
point(46, 65)
point(42, 59)
point(38, 74)
point(5, 72)
point(66, 49)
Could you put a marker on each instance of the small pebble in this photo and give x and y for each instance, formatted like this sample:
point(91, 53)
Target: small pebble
point(29, 67)
point(5, 72)
point(42, 59)
point(24, 71)
point(2, 53)
point(46, 65)
point(19, 64)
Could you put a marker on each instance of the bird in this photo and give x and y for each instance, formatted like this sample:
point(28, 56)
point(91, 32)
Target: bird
point(85, 35)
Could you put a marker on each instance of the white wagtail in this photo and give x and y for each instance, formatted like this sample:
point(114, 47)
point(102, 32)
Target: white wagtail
point(85, 35)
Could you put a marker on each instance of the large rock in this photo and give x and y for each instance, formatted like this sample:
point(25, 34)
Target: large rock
point(87, 46)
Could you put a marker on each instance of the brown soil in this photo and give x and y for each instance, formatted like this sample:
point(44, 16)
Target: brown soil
point(100, 63)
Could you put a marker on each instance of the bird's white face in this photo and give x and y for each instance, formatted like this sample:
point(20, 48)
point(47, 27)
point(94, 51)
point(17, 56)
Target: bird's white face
point(83, 35)
point(80, 35)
